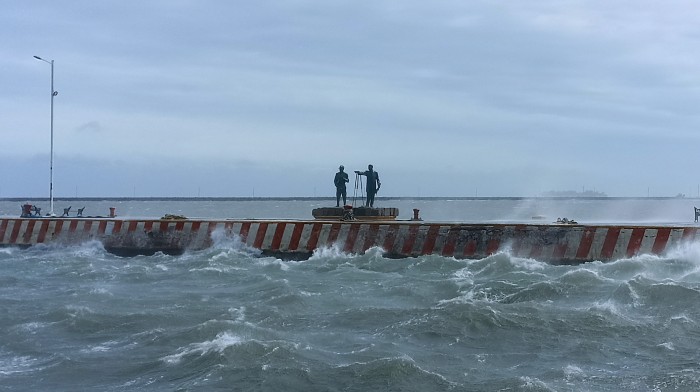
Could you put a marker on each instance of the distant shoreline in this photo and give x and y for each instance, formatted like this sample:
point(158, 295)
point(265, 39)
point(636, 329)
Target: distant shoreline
point(291, 198)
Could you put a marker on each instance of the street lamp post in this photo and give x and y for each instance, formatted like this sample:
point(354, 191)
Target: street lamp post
point(53, 94)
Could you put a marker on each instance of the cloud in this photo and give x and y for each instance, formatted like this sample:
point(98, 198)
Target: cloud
point(510, 98)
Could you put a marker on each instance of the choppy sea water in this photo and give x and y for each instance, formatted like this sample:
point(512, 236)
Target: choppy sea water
point(78, 318)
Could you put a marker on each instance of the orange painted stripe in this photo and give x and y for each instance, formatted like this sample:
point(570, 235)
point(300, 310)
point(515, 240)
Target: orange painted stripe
point(410, 240)
point(3, 229)
point(584, 247)
point(352, 237)
point(102, 227)
point(87, 226)
point(371, 236)
point(164, 226)
point(245, 230)
point(333, 235)
point(277, 237)
point(260, 236)
point(493, 245)
point(635, 241)
point(15, 231)
point(42, 231)
point(296, 236)
point(559, 251)
point(179, 226)
point(662, 236)
point(313, 238)
point(430, 239)
point(132, 226)
point(148, 226)
point(390, 238)
point(73, 226)
point(610, 242)
point(450, 244)
point(470, 248)
point(57, 229)
point(117, 227)
point(27, 237)
point(196, 226)
point(494, 241)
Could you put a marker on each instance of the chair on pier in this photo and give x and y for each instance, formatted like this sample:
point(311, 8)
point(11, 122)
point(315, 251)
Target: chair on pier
point(80, 211)
point(66, 211)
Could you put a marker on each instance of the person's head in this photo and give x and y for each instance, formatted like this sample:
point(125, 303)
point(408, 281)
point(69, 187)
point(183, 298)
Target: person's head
point(341, 168)
point(370, 167)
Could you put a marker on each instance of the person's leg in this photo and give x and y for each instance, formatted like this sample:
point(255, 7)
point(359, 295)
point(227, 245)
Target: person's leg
point(337, 197)
point(345, 197)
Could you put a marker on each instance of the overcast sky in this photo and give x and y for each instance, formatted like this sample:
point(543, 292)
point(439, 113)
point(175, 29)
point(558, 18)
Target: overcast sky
point(267, 98)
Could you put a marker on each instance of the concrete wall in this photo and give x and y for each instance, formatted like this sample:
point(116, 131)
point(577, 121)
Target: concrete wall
point(298, 239)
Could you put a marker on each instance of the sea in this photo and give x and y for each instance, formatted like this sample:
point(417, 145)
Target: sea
point(77, 318)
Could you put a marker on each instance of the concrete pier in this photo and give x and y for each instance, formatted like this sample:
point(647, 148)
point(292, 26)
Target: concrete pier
point(297, 239)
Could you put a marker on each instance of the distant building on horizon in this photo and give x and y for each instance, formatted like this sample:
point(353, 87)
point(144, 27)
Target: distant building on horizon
point(586, 193)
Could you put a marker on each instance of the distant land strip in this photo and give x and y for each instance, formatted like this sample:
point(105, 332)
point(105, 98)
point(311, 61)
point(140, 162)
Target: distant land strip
point(304, 198)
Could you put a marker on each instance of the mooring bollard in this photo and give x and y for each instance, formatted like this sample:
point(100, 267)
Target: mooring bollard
point(415, 215)
point(112, 212)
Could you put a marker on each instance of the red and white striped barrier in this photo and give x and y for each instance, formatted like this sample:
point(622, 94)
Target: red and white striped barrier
point(298, 239)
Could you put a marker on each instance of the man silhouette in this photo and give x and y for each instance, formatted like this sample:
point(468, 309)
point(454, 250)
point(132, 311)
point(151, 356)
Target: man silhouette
point(340, 179)
point(373, 183)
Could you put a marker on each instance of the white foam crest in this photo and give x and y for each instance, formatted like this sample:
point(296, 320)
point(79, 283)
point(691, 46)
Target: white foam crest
point(308, 294)
point(612, 308)
point(527, 264)
point(90, 249)
point(463, 277)
point(15, 365)
point(330, 252)
point(230, 243)
point(86, 249)
point(100, 348)
point(402, 358)
point(573, 370)
point(683, 318)
point(608, 306)
point(681, 263)
point(668, 346)
point(221, 342)
point(636, 298)
point(101, 291)
point(519, 262)
point(238, 313)
point(219, 269)
point(33, 327)
point(535, 383)
point(689, 251)
point(78, 310)
point(585, 271)
point(375, 253)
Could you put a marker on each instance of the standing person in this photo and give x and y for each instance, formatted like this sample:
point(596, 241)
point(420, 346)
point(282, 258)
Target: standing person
point(373, 183)
point(340, 179)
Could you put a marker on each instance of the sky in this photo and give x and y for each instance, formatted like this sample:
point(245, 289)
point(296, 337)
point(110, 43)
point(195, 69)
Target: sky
point(267, 98)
